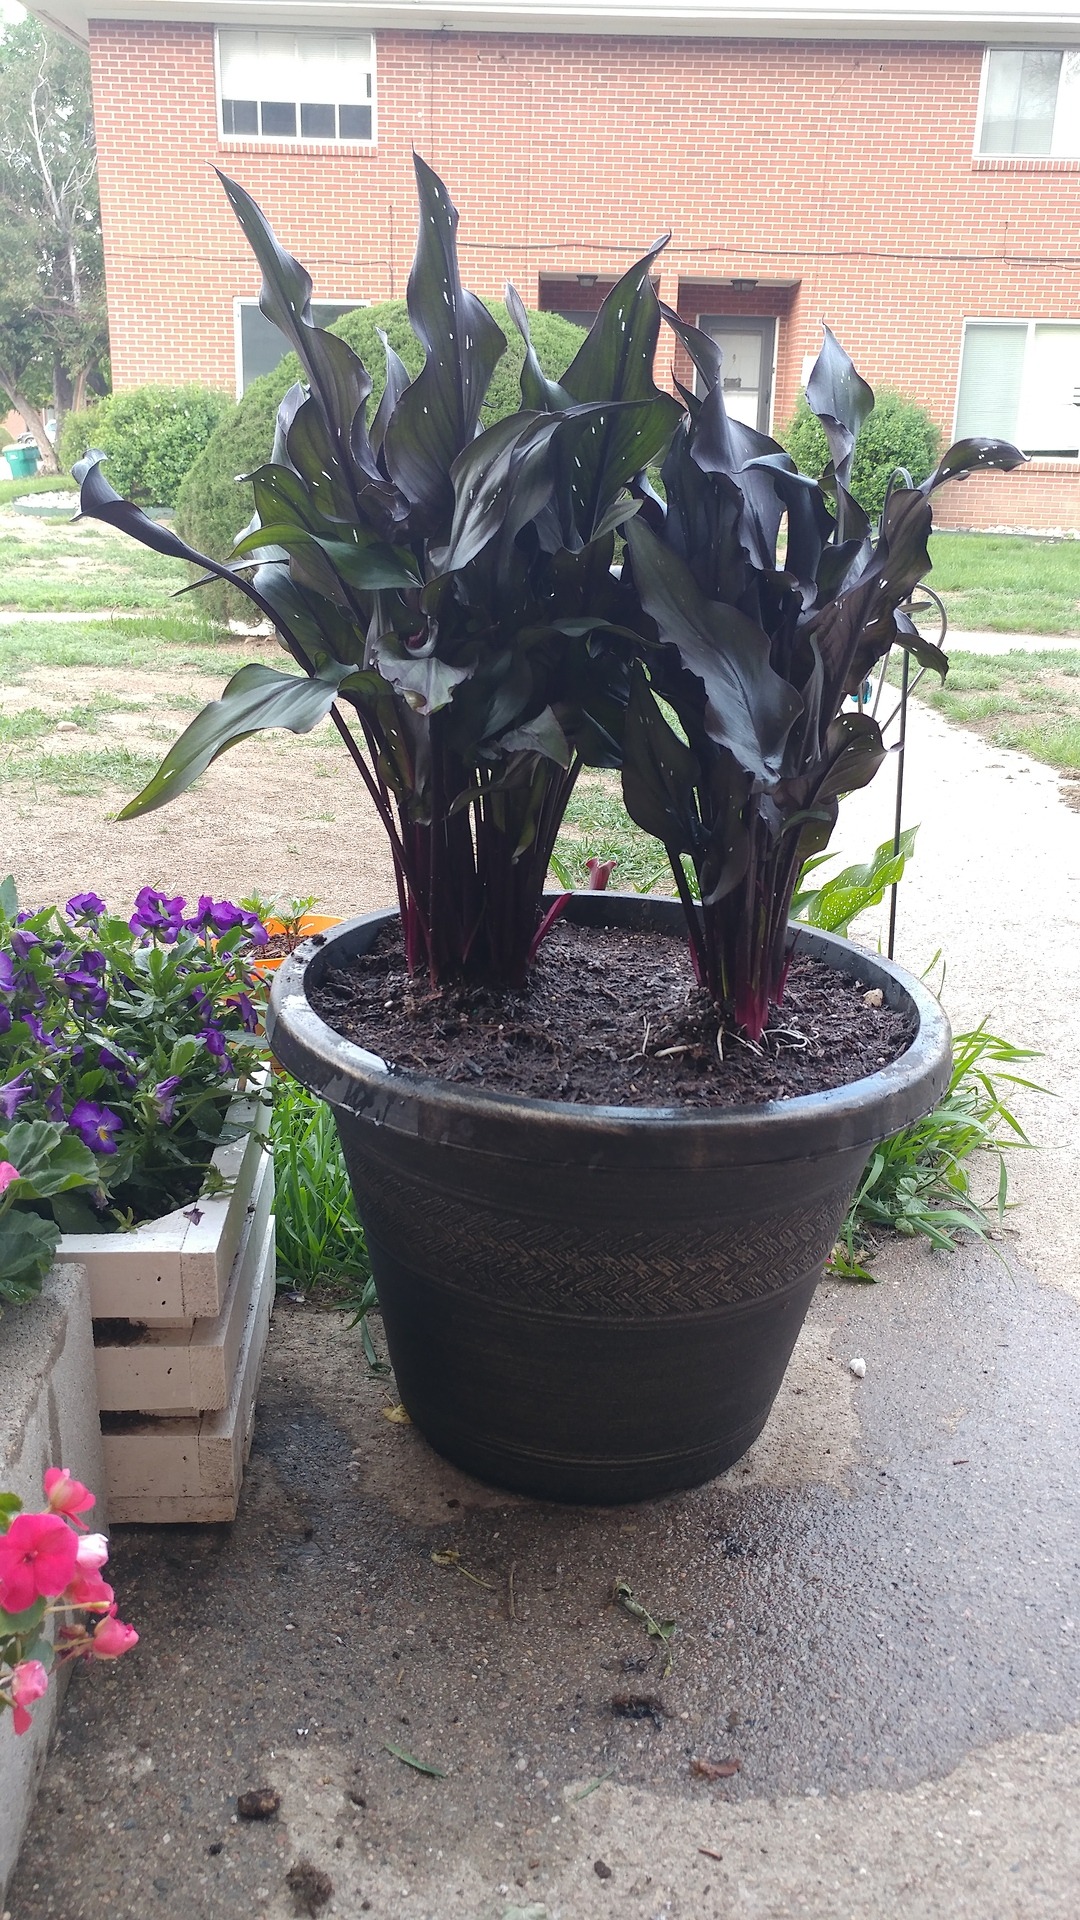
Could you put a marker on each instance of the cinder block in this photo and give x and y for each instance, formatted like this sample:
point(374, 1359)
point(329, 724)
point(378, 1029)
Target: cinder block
point(48, 1418)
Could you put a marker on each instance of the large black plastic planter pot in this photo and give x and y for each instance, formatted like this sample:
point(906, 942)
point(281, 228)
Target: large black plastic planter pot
point(596, 1303)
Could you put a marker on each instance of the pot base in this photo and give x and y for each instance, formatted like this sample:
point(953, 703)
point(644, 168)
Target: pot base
point(587, 1411)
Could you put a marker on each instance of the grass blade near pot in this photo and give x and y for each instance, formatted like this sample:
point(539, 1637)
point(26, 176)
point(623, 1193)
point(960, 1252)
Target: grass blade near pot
point(919, 1182)
point(320, 1242)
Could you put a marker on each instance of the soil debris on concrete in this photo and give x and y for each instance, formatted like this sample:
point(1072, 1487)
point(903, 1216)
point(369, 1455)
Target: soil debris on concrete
point(259, 1803)
point(311, 1888)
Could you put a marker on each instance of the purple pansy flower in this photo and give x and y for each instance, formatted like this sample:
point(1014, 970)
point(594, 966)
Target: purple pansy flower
point(117, 1067)
point(12, 1095)
point(7, 973)
point(85, 906)
point(96, 1126)
point(214, 916)
point(86, 990)
point(21, 943)
point(5, 1019)
point(215, 1044)
point(165, 1096)
point(54, 1105)
point(254, 925)
point(93, 961)
point(248, 1016)
point(156, 914)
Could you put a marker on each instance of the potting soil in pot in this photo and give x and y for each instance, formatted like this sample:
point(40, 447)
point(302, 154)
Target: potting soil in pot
point(613, 1018)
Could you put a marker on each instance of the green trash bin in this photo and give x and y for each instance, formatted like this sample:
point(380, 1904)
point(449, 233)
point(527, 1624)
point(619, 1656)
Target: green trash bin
point(22, 461)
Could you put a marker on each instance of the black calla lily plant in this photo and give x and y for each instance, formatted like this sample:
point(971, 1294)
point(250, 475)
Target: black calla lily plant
point(483, 612)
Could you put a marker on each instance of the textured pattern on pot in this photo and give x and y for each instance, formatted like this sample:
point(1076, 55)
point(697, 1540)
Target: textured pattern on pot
point(597, 1303)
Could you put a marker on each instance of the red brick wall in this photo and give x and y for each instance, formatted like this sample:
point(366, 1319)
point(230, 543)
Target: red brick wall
point(838, 175)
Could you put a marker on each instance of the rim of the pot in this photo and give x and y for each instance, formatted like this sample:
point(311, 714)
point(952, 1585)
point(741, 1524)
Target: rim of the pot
point(358, 1081)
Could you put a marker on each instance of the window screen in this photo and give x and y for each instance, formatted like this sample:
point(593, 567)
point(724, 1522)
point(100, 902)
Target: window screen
point(261, 346)
point(297, 86)
point(1031, 101)
point(1020, 381)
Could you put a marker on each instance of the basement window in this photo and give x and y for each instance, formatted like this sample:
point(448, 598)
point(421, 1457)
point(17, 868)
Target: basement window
point(259, 345)
point(1020, 381)
point(297, 86)
point(1030, 101)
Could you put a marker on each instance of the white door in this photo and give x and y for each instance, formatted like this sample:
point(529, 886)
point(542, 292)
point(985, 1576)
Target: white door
point(747, 347)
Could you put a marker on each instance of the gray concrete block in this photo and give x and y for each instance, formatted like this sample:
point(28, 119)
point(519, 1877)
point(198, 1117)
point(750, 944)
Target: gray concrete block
point(48, 1418)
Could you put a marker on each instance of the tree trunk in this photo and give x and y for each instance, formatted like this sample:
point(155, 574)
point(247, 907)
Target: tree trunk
point(34, 419)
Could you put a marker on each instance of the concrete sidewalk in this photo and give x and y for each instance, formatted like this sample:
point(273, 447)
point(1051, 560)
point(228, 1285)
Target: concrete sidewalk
point(877, 1611)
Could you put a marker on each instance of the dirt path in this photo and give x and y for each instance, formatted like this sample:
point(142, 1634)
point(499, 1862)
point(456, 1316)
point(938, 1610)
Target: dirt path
point(278, 816)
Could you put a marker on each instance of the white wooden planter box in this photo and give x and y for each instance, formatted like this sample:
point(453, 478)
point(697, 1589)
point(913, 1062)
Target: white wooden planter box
point(177, 1269)
point(171, 1469)
point(181, 1308)
point(189, 1369)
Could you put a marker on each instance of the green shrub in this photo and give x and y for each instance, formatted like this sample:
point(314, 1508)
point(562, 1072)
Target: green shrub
point(152, 435)
point(212, 508)
point(899, 433)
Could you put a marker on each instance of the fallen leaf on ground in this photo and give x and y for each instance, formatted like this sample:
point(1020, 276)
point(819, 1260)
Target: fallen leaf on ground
point(397, 1415)
point(715, 1769)
point(451, 1558)
point(410, 1760)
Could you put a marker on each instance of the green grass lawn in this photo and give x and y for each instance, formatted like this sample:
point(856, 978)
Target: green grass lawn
point(61, 571)
point(1029, 701)
point(1000, 584)
point(165, 642)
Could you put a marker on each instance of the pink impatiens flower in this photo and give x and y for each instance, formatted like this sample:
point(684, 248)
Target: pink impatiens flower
point(38, 1557)
point(88, 1589)
point(8, 1174)
point(29, 1681)
point(69, 1497)
point(111, 1638)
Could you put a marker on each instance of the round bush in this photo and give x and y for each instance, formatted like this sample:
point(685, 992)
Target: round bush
point(213, 509)
point(152, 436)
point(899, 433)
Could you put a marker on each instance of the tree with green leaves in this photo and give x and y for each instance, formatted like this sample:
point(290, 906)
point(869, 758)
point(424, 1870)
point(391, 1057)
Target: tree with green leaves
point(53, 330)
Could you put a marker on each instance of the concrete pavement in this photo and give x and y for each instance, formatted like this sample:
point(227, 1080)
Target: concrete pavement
point(877, 1611)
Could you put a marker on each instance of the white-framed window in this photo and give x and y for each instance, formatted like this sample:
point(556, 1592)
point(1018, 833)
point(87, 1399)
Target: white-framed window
point(296, 86)
point(259, 345)
point(1030, 101)
point(1020, 381)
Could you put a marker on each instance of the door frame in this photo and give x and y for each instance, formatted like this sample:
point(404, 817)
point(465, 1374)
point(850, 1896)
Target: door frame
point(766, 326)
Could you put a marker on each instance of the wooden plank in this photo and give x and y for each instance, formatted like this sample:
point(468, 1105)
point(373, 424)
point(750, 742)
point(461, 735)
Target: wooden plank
point(186, 1469)
point(189, 1369)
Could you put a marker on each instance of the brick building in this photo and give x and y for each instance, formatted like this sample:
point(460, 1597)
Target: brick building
point(910, 174)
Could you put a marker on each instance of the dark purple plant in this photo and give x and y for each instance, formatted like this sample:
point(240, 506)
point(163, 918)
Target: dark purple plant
point(756, 659)
point(447, 592)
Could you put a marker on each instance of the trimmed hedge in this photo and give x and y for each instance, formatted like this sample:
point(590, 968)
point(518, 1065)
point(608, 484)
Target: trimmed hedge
point(152, 436)
point(899, 433)
point(212, 508)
